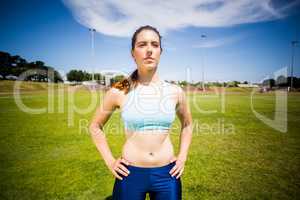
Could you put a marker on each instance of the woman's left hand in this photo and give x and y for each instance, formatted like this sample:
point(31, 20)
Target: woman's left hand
point(178, 168)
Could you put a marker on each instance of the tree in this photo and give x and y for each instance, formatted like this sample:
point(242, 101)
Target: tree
point(17, 65)
point(183, 83)
point(233, 83)
point(269, 83)
point(78, 75)
point(5, 59)
point(39, 64)
point(281, 81)
point(118, 78)
point(98, 76)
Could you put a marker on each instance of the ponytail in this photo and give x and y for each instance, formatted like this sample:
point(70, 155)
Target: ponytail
point(128, 83)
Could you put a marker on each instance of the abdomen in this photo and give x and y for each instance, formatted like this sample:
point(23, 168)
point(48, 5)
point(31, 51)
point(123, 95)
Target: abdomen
point(148, 149)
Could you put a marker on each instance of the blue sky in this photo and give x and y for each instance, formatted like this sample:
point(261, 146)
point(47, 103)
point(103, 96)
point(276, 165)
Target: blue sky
point(244, 41)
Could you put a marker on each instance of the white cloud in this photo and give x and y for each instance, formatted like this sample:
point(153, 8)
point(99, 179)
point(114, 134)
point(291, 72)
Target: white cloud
point(121, 18)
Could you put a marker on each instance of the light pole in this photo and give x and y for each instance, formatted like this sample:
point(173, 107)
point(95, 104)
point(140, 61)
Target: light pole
point(202, 62)
point(92, 30)
point(294, 43)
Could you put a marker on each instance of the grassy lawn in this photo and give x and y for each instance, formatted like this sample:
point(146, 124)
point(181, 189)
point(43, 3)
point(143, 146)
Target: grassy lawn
point(49, 156)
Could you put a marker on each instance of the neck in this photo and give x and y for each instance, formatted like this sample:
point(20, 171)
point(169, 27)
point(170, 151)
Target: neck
point(149, 77)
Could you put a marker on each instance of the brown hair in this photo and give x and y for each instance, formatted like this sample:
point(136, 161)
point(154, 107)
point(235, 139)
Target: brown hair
point(128, 83)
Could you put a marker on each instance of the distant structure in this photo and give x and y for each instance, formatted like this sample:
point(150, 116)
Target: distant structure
point(106, 79)
point(70, 82)
point(89, 83)
point(11, 77)
point(109, 75)
point(249, 85)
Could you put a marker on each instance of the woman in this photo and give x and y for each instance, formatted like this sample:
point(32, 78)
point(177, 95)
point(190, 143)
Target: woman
point(148, 107)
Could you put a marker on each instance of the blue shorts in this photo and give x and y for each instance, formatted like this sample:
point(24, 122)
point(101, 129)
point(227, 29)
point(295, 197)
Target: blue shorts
point(153, 180)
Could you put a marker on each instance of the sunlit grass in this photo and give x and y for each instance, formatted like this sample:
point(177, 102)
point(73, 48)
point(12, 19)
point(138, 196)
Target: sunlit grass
point(49, 156)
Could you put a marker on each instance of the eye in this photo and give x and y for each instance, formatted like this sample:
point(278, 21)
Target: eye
point(141, 44)
point(155, 44)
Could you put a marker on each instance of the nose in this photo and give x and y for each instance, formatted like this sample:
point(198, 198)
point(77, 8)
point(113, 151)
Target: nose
point(149, 50)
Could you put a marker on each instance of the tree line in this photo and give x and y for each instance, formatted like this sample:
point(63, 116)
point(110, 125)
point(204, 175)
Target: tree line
point(282, 81)
point(210, 84)
point(15, 65)
point(81, 75)
point(37, 71)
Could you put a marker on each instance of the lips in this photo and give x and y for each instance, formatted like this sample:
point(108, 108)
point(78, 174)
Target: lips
point(149, 61)
point(149, 58)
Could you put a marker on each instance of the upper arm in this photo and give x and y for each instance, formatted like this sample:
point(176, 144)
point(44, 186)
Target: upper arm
point(106, 108)
point(182, 108)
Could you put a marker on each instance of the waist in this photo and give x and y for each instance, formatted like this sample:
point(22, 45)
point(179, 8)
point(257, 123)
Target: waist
point(148, 150)
point(165, 167)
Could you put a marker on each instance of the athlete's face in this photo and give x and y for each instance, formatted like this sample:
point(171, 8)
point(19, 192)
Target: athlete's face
point(147, 50)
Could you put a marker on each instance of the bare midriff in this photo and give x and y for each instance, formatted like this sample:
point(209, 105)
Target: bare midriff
point(148, 148)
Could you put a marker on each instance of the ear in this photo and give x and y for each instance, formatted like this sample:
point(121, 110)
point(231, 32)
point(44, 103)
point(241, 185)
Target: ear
point(132, 54)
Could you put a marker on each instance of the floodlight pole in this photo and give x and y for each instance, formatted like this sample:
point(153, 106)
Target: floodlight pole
point(293, 43)
point(92, 30)
point(203, 36)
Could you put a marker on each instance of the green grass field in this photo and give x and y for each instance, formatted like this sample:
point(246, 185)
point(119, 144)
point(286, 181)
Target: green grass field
point(44, 157)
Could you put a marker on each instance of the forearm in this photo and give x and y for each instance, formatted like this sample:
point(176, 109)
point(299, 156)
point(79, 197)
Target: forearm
point(100, 141)
point(185, 141)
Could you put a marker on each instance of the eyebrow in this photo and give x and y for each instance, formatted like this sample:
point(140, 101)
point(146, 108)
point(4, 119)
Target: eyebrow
point(146, 42)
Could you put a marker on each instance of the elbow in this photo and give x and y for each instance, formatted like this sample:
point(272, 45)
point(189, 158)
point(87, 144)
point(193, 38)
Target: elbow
point(95, 130)
point(187, 123)
point(189, 126)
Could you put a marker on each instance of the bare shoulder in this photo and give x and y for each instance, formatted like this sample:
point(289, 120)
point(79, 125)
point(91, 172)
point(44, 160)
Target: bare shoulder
point(113, 92)
point(176, 90)
point(113, 95)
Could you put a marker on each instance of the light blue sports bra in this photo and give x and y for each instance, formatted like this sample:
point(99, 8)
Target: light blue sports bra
point(149, 107)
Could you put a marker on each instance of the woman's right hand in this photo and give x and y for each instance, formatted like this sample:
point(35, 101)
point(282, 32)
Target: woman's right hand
point(118, 167)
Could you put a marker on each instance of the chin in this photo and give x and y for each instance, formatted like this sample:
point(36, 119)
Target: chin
point(151, 67)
